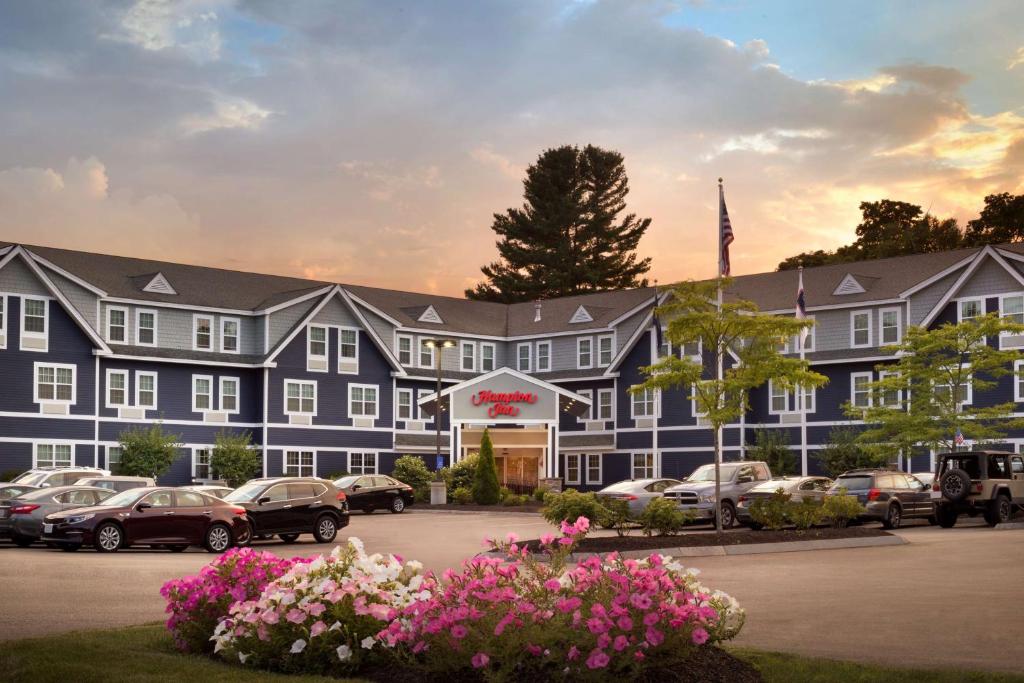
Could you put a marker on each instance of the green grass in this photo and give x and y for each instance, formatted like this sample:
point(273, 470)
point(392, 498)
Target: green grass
point(144, 654)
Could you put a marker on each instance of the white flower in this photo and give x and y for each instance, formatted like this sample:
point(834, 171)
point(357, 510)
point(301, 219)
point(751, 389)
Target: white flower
point(358, 545)
point(219, 645)
point(298, 646)
point(336, 626)
point(368, 643)
point(242, 657)
point(287, 598)
point(344, 652)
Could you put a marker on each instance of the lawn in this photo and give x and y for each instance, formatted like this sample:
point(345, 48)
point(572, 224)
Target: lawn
point(144, 654)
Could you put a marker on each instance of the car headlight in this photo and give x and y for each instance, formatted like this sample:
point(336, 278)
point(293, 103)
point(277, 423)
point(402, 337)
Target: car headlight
point(706, 498)
point(75, 519)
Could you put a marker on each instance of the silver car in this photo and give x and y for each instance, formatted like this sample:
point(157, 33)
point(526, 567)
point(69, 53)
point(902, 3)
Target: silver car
point(637, 492)
point(117, 483)
point(210, 489)
point(799, 488)
point(25, 514)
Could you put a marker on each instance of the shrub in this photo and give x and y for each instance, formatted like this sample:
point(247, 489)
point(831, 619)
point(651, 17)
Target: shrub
point(615, 515)
point(804, 514)
point(772, 446)
point(663, 517)
point(411, 469)
point(485, 482)
point(234, 459)
point(147, 452)
point(771, 512)
point(503, 493)
point(571, 504)
point(514, 500)
point(11, 475)
point(197, 603)
point(840, 509)
point(538, 494)
point(462, 496)
point(462, 473)
point(843, 453)
point(338, 474)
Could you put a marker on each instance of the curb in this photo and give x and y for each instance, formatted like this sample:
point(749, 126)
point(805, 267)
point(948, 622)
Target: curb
point(499, 511)
point(1009, 525)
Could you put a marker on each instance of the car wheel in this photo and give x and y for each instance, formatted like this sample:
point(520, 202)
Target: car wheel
point(244, 536)
point(109, 538)
point(893, 517)
point(218, 538)
point(397, 505)
point(22, 541)
point(326, 529)
point(179, 548)
point(955, 485)
point(728, 515)
point(999, 511)
point(946, 517)
point(288, 538)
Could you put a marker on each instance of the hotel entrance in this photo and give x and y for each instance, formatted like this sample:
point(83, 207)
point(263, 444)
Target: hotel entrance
point(519, 454)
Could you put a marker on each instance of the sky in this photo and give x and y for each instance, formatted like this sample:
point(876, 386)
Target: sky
point(372, 142)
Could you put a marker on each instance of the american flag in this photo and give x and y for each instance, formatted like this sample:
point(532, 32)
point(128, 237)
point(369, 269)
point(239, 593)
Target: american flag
point(801, 307)
point(959, 438)
point(724, 232)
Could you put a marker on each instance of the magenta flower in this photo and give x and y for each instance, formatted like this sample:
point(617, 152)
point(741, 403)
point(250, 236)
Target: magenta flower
point(573, 654)
point(699, 636)
point(621, 643)
point(459, 632)
point(480, 660)
point(598, 659)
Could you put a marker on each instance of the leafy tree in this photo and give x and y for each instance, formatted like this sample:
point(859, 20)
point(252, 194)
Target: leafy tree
point(486, 490)
point(568, 237)
point(234, 459)
point(148, 452)
point(843, 453)
point(1002, 220)
point(736, 326)
point(411, 470)
point(936, 368)
point(772, 446)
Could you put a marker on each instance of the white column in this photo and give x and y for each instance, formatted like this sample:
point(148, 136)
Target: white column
point(552, 452)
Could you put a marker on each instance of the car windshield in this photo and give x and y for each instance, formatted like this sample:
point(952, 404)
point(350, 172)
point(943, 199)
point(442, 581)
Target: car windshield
point(246, 493)
point(125, 498)
point(620, 486)
point(30, 478)
point(707, 473)
point(345, 482)
point(858, 483)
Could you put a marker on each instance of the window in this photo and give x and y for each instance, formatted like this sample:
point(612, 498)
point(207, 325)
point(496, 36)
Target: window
point(643, 403)
point(114, 454)
point(604, 350)
point(190, 499)
point(420, 395)
point(860, 393)
point(964, 392)
point(403, 404)
point(604, 404)
point(593, 468)
point(543, 356)
point(362, 463)
point(572, 468)
point(1018, 381)
point(229, 394)
point(362, 400)
point(117, 388)
point(892, 398)
point(523, 357)
point(348, 343)
point(202, 333)
point(889, 331)
point(33, 317)
point(589, 393)
point(860, 328)
point(145, 390)
point(584, 353)
point(229, 335)
point(201, 463)
point(968, 309)
point(300, 398)
point(55, 383)
point(53, 455)
point(316, 348)
point(202, 393)
point(778, 399)
point(404, 349)
point(486, 357)
point(426, 354)
point(643, 466)
point(298, 464)
point(808, 405)
point(1012, 307)
point(117, 325)
point(3, 318)
point(665, 350)
point(468, 351)
point(145, 327)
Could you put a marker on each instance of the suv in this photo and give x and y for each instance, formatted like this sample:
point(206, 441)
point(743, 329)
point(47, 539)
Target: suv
point(696, 493)
point(43, 477)
point(290, 506)
point(888, 496)
point(990, 482)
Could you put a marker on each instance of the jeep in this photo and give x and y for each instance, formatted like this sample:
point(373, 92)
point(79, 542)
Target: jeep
point(696, 493)
point(989, 482)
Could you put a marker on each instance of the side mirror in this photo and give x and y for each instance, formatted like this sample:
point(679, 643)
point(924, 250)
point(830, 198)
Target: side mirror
point(45, 485)
point(264, 499)
point(356, 487)
point(143, 506)
point(744, 480)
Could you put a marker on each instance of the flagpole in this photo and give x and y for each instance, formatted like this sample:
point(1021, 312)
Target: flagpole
point(657, 396)
point(718, 357)
point(802, 340)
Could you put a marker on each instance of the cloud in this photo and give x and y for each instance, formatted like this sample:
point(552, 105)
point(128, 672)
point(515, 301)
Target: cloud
point(488, 157)
point(1017, 59)
point(225, 113)
point(383, 181)
point(188, 25)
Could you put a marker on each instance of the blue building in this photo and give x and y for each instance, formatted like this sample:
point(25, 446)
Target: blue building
point(329, 378)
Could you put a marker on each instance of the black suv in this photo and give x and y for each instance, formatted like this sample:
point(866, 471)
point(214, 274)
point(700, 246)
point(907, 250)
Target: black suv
point(290, 506)
point(888, 496)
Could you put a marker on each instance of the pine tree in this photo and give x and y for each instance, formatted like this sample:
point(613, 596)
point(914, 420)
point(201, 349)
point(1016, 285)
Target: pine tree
point(568, 237)
point(486, 489)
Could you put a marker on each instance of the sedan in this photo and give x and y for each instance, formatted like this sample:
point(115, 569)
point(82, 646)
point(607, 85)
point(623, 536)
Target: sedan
point(375, 492)
point(211, 489)
point(154, 516)
point(799, 488)
point(637, 492)
point(22, 517)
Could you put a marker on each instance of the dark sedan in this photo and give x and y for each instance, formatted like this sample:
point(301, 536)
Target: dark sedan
point(368, 492)
point(23, 516)
point(153, 516)
point(290, 506)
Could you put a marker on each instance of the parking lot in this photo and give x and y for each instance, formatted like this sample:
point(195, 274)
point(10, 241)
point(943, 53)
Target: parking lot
point(951, 598)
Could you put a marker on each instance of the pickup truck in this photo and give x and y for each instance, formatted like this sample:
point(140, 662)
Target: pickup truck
point(696, 494)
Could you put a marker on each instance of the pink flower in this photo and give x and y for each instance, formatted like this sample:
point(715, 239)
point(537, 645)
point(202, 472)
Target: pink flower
point(651, 618)
point(296, 616)
point(596, 625)
point(621, 643)
point(316, 609)
point(597, 659)
point(512, 537)
point(625, 623)
point(553, 585)
point(699, 636)
point(654, 636)
point(480, 660)
point(547, 539)
point(459, 632)
point(317, 628)
point(534, 650)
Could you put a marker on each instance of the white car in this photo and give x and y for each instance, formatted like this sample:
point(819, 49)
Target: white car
point(45, 477)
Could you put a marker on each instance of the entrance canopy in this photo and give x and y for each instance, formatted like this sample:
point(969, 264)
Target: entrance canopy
point(505, 396)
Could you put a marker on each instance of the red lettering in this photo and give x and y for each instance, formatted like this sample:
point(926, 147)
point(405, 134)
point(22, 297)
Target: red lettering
point(501, 403)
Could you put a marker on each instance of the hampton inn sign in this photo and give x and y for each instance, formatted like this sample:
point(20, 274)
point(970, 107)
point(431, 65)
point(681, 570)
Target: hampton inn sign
point(502, 403)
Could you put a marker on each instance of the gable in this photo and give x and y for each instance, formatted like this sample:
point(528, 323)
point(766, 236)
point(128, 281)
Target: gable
point(849, 285)
point(922, 302)
point(581, 316)
point(430, 316)
point(335, 312)
point(159, 285)
point(17, 278)
point(82, 299)
point(990, 279)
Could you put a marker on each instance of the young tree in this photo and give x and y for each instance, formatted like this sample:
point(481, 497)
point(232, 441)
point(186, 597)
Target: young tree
point(922, 400)
point(772, 446)
point(568, 238)
point(843, 453)
point(234, 459)
point(148, 452)
point(486, 489)
point(736, 328)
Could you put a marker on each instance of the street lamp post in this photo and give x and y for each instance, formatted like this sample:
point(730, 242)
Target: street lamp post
point(438, 345)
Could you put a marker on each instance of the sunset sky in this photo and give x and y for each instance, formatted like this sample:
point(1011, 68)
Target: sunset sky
point(371, 142)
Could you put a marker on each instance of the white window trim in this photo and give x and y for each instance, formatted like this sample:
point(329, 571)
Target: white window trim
point(238, 335)
point(127, 317)
point(156, 326)
point(421, 414)
point(590, 457)
point(1018, 396)
point(853, 389)
point(195, 332)
point(589, 415)
point(494, 356)
point(810, 404)
point(693, 403)
point(657, 406)
point(853, 329)
point(364, 452)
point(412, 349)
point(299, 382)
point(403, 391)
point(138, 392)
point(220, 395)
point(794, 341)
point(970, 387)
point(419, 353)
point(300, 451)
point(529, 356)
point(611, 350)
point(579, 468)
point(45, 334)
point(980, 300)
point(536, 355)
point(632, 465)
point(195, 406)
point(882, 374)
point(343, 359)
point(309, 347)
point(53, 444)
point(376, 401)
point(106, 399)
point(5, 313)
point(463, 345)
point(771, 396)
point(1004, 335)
point(881, 328)
point(579, 343)
point(55, 366)
point(195, 463)
point(611, 405)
